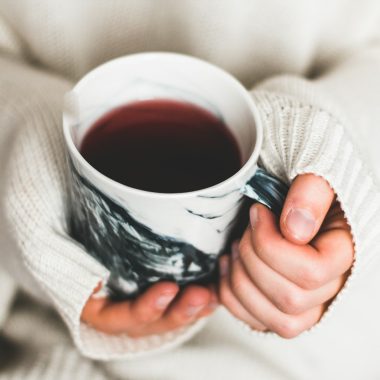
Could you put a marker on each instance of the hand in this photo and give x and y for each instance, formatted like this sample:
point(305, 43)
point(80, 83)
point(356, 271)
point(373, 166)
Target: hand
point(282, 278)
point(161, 308)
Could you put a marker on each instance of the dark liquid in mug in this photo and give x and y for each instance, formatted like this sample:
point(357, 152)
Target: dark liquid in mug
point(163, 146)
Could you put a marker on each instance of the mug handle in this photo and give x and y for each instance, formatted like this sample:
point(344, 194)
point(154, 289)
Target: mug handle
point(266, 189)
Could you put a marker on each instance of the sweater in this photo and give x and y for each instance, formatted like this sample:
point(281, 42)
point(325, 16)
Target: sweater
point(313, 69)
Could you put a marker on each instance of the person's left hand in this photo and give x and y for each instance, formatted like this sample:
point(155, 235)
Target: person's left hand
point(281, 278)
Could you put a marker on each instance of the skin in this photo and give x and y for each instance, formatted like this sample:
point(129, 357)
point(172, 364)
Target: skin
point(277, 281)
point(273, 281)
point(149, 313)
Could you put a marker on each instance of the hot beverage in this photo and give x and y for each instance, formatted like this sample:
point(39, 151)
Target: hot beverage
point(163, 146)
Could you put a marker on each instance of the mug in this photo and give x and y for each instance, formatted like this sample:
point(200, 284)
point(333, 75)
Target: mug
point(143, 237)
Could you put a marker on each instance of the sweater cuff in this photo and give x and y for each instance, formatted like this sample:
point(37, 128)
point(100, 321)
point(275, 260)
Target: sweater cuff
point(97, 345)
point(69, 276)
point(299, 138)
point(33, 196)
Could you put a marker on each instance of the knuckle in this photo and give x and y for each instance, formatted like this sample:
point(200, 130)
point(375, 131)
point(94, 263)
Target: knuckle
point(288, 328)
point(312, 277)
point(292, 302)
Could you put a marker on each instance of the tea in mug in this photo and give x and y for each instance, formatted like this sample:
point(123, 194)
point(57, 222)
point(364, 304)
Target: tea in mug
point(162, 146)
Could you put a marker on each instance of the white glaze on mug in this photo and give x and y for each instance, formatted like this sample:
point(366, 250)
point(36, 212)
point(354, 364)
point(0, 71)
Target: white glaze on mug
point(141, 236)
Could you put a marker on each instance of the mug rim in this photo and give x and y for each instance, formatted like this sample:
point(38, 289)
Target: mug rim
point(249, 164)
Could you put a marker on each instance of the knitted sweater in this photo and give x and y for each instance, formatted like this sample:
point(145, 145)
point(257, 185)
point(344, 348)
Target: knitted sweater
point(314, 71)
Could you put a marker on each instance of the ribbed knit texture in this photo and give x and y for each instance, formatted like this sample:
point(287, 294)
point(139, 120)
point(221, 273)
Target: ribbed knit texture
point(34, 197)
point(304, 138)
point(58, 364)
point(45, 47)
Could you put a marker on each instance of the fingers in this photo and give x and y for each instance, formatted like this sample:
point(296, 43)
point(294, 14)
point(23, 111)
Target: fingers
point(282, 293)
point(241, 290)
point(309, 267)
point(193, 303)
point(194, 299)
point(161, 308)
point(120, 317)
point(228, 299)
point(281, 283)
point(306, 205)
point(152, 304)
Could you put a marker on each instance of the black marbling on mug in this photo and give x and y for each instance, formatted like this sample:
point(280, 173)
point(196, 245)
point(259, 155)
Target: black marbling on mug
point(137, 256)
point(143, 238)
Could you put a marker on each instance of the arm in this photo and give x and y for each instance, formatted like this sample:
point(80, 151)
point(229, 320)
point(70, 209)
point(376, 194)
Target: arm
point(339, 132)
point(39, 254)
point(323, 127)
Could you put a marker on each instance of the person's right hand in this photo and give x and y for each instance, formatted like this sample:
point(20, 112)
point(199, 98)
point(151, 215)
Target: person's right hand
point(160, 309)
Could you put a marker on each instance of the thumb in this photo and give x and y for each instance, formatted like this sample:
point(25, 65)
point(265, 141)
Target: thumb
point(306, 205)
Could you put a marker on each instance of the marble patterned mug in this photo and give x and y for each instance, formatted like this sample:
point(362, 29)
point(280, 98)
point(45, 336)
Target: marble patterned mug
point(143, 237)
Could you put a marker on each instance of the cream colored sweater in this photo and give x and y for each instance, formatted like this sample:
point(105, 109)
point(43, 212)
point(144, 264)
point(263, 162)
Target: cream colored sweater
point(314, 70)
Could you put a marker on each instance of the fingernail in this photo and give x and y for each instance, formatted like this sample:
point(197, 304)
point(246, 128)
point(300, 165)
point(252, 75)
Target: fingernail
point(223, 267)
point(254, 216)
point(193, 310)
point(163, 301)
point(300, 223)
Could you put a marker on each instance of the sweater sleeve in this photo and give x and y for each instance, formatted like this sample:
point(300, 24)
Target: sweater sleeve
point(37, 252)
point(7, 292)
point(329, 126)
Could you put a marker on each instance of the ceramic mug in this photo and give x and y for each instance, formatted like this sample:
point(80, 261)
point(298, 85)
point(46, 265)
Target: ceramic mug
point(140, 236)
